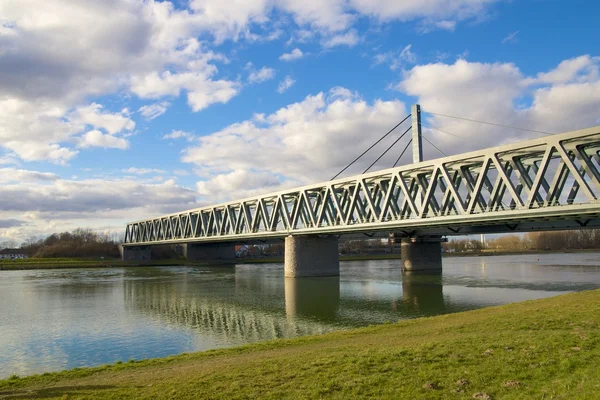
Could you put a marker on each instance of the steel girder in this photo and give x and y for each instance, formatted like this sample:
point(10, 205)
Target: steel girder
point(555, 178)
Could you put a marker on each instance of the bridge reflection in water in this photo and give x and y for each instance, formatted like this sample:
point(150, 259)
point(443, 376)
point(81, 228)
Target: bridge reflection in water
point(227, 307)
point(315, 298)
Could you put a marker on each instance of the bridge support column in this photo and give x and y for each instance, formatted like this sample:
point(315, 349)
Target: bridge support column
point(421, 255)
point(213, 252)
point(135, 253)
point(311, 256)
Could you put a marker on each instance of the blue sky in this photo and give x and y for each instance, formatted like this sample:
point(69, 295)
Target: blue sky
point(118, 110)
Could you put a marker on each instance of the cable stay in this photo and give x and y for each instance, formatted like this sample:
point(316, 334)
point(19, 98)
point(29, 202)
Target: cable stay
point(373, 145)
point(443, 131)
point(388, 149)
point(434, 146)
point(488, 123)
point(401, 154)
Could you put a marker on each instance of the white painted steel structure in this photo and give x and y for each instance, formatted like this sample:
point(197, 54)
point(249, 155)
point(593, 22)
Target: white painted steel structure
point(547, 183)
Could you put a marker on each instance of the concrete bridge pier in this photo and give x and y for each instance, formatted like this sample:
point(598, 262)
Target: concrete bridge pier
point(311, 256)
point(422, 255)
point(135, 253)
point(213, 252)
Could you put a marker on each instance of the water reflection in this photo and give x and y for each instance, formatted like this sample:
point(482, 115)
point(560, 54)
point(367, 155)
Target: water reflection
point(423, 294)
point(315, 298)
point(222, 314)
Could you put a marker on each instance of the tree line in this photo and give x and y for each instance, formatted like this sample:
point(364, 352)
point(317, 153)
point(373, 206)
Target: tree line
point(78, 243)
point(582, 239)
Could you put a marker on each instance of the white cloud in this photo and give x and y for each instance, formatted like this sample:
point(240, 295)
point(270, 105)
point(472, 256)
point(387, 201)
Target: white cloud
point(583, 68)
point(96, 138)
point(440, 13)
point(243, 183)
point(325, 15)
point(295, 143)
point(179, 135)
point(201, 90)
point(57, 205)
point(291, 56)
point(48, 75)
point(511, 37)
point(262, 75)
point(154, 110)
point(349, 39)
point(285, 84)
point(22, 175)
point(58, 55)
point(563, 99)
point(396, 60)
point(143, 171)
point(93, 115)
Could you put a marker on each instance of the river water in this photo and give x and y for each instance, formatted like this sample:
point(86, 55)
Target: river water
point(57, 319)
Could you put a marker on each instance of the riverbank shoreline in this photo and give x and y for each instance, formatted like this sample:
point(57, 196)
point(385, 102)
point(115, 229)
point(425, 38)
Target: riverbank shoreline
point(33, 264)
point(539, 348)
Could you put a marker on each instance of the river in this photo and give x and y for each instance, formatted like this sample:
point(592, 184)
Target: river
point(57, 319)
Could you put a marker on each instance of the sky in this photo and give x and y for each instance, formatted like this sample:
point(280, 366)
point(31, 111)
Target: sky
point(118, 110)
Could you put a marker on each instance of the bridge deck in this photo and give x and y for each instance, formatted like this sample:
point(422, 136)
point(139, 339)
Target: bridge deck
point(547, 183)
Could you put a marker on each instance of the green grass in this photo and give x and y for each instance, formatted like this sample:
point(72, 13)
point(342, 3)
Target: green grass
point(543, 349)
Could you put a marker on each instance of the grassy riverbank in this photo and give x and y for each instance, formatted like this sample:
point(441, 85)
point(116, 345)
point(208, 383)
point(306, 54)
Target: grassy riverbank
point(546, 348)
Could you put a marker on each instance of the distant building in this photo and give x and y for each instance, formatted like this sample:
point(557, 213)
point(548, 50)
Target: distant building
point(12, 254)
point(241, 251)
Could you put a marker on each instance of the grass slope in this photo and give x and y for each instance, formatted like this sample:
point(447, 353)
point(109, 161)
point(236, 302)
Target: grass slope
point(543, 349)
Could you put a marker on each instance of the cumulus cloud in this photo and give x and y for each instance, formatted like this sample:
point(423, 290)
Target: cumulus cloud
point(58, 205)
point(143, 171)
point(179, 135)
point(562, 99)
point(22, 175)
point(57, 55)
point(295, 142)
point(262, 75)
point(349, 39)
point(154, 110)
point(285, 84)
point(47, 77)
point(583, 69)
point(292, 55)
point(244, 183)
point(98, 139)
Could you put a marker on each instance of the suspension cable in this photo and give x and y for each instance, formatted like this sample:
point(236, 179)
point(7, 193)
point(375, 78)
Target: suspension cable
point(401, 154)
point(373, 145)
point(388, 149)
point(488, 123)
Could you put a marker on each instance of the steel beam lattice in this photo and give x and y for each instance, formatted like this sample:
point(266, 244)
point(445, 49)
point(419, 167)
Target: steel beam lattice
point(551, 178)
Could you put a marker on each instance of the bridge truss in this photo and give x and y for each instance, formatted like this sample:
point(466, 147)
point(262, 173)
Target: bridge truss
point(547, 183)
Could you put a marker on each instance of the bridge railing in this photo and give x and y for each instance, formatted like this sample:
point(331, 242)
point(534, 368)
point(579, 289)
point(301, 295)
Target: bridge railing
point(541, 174)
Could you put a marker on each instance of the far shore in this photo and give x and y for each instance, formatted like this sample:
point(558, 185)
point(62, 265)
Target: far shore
point(49, 263)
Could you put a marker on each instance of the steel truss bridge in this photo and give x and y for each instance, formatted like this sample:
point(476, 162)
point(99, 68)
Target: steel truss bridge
point(541, 184)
